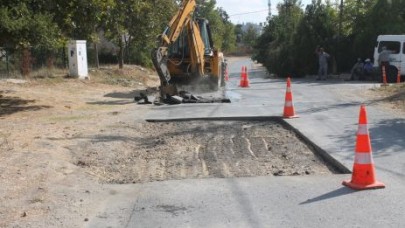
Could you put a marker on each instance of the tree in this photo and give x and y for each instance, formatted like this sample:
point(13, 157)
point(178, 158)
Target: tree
point(263, 43)
point(80, 19)
point(134, 25)
point(278, 36)
point(377, 21)
point(207, 10)
point(145, 22)
point(228, 36)
point(25, 25)
point(318, 27)
point(238, 33)
point(250, 35)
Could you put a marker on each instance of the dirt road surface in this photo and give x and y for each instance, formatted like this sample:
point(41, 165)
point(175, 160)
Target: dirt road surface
point(60, 140)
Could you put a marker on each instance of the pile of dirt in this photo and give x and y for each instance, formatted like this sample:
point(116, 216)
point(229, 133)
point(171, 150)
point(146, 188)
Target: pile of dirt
point(148, 152)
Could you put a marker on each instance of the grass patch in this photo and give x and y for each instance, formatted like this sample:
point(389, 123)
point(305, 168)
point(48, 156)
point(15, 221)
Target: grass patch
point(4, 143)
point(129, 76)
point(37, 200)
point(394, 94)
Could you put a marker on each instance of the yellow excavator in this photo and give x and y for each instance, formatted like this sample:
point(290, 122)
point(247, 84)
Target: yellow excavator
point(185, 53)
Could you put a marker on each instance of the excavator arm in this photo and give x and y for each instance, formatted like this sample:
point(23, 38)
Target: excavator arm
point(183, 19)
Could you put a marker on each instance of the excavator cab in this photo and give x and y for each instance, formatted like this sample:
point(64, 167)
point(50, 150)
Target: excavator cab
point(180, 47)
point(180, 62)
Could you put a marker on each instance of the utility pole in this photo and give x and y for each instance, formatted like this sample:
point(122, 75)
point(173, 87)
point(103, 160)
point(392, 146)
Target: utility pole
point(269, 5)
point(337, 55)
point(8, 69)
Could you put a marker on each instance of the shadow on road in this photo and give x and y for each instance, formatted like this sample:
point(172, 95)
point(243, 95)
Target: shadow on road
point(132, 94)
point(331, 107)
point(126, 97)
point(387, 136)
point(118, 102)
point(333, 194)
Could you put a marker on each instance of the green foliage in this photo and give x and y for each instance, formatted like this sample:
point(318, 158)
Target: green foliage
point(263, 43)
point(132, 25)
point(229, 38)
point(279, 37)
point(250, 36)
point(317, 27)
point(289, 39)
point(21, 26)
point(206, 9)
point(146, 20)
point(238, 33)
point(377, 21)
point(222, 29)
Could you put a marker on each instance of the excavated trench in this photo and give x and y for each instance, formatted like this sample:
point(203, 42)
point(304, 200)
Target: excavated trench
point(158, 151)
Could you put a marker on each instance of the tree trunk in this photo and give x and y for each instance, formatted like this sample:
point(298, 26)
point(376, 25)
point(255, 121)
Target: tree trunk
point(26, 62)
point(50, 61)
point(96, 55)
point(7, 63)
point(121, 53)
point(64, 59)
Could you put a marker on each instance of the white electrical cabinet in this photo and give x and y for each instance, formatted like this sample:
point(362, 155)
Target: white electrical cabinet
point(77, 52)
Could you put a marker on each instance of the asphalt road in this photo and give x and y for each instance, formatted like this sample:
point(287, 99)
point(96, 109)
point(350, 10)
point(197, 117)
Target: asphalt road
point(328, 113)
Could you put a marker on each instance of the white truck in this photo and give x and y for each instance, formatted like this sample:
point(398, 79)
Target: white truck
point(396, 44)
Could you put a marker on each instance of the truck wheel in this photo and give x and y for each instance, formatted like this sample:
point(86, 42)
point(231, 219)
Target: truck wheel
point(392, 74)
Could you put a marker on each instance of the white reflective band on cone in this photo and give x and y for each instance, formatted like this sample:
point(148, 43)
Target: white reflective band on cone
point(362, 130)
point(363, 158)
point(288, 89)
point(288, 103)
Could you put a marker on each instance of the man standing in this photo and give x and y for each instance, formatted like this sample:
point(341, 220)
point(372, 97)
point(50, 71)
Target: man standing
point(368, 69)
point(357, 70)
point(384, 60)
point(384, 57)
point(323, 63)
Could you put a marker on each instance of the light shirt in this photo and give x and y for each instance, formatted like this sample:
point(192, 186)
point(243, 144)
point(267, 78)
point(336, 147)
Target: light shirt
point(384, 56)
point(323, 58)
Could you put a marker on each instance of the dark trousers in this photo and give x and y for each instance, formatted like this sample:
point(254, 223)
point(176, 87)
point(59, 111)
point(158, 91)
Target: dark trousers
point(385, 65)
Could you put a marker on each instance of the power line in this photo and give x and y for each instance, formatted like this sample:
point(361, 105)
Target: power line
point(258, 11)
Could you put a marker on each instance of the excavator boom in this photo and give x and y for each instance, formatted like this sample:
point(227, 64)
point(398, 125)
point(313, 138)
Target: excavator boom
point(179, 21)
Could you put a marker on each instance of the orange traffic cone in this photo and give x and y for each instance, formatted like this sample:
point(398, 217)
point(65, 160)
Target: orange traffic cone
point(289, 111)
point(363, 176)
point(244, 81)
point(384, 76)
point(242, 76)
point(399, 75)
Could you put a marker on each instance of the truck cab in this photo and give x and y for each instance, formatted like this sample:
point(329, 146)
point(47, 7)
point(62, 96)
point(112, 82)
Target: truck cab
point(396, 44)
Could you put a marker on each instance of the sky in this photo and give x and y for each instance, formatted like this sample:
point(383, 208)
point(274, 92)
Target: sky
point(245, 11)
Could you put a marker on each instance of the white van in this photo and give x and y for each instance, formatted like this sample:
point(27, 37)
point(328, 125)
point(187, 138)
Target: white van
point(395, 43)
